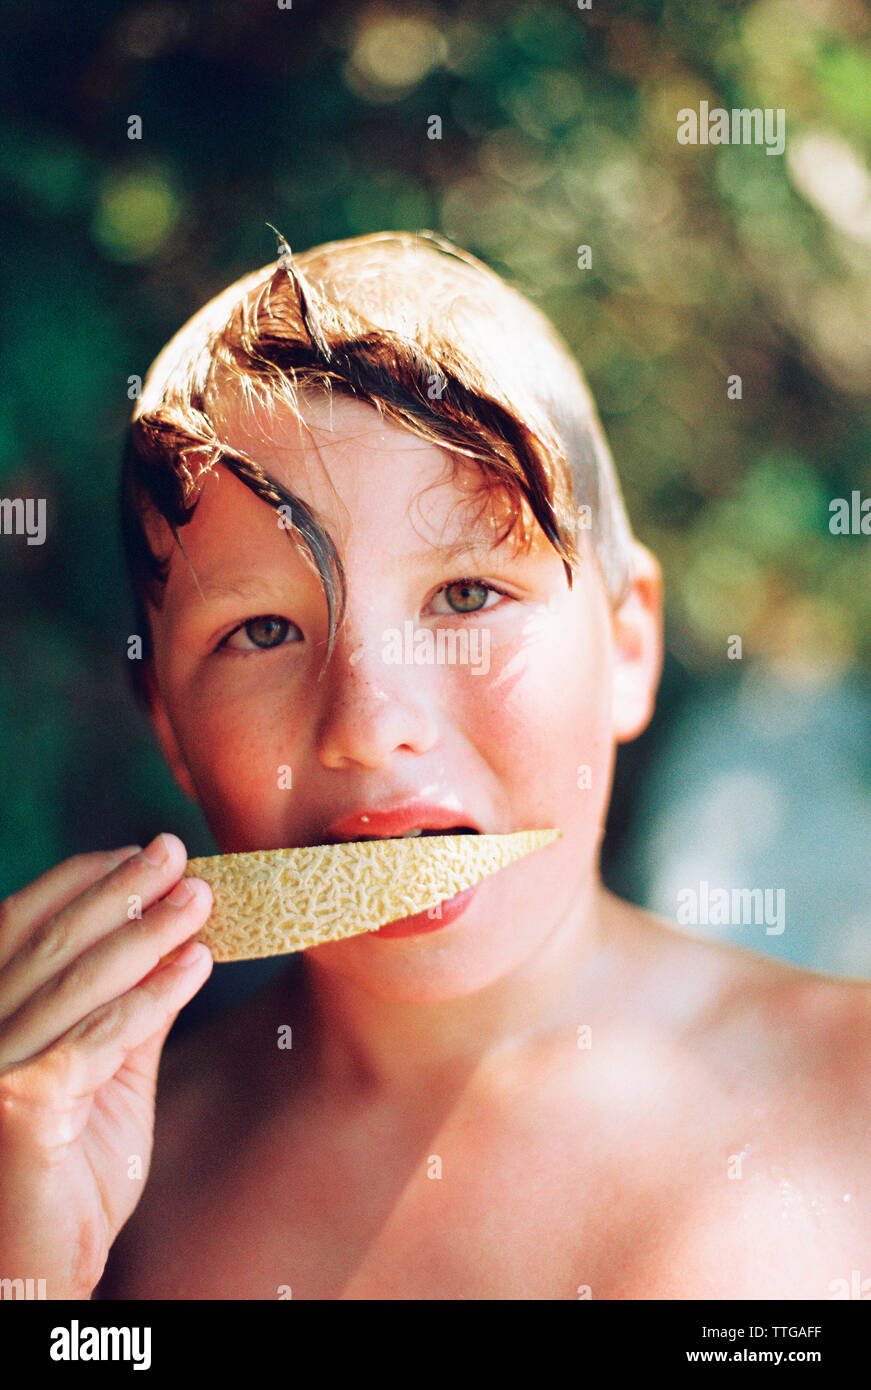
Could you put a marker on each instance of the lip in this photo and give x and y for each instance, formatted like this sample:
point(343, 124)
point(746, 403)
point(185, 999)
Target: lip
point(391, 820)
point(431, 919)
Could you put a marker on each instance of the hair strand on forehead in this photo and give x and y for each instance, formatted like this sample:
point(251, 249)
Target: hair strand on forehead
point(419, 329)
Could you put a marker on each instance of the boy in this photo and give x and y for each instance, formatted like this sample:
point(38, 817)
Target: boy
point(542, 1092)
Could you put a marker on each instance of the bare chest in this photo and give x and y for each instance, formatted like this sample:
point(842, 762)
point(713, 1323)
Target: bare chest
point(445, 1221)
point(531, 1196)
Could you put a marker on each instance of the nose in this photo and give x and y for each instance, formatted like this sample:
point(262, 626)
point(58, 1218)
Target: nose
point(371, 708)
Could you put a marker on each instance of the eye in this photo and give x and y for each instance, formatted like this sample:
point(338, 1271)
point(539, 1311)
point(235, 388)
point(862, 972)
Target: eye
point(263, 633)
point(467, 596)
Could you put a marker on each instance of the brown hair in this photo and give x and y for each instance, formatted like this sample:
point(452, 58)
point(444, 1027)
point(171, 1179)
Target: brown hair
point(419, 329)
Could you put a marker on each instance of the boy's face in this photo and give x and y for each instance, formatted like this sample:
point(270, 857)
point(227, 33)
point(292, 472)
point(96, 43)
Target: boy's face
point(519, 735)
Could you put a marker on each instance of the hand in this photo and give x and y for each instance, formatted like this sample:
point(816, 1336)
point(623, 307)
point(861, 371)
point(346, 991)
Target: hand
point(88, 994)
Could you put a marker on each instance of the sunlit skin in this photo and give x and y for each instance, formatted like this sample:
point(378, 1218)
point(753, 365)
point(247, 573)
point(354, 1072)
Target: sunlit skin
point(544, 1096)
point(506, 745)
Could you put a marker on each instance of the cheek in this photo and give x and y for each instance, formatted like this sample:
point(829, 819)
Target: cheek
point(545, 701)
point(240, 765)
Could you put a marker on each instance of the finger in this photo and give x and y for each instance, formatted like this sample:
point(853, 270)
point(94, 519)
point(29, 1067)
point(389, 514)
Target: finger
point(103, 907)
point(114, 965)
point(95, 1049)
point(29, 907)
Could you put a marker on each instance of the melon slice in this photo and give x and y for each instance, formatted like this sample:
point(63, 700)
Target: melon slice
point(272, 902)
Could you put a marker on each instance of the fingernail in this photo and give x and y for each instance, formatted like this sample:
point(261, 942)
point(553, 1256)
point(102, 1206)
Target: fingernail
point(181, 893)
point(192, 954)
point(157, 852)
point(118, 856)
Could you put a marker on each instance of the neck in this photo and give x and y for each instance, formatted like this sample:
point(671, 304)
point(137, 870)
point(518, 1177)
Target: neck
point(406, 1048)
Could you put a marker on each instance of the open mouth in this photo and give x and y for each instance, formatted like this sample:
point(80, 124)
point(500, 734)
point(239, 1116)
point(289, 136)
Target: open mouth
point(412, 834)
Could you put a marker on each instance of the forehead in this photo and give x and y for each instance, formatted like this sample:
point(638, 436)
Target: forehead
point(349, 459)
point(367, 478)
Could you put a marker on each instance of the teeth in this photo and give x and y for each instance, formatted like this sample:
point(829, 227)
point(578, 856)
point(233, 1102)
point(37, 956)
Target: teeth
point(459, 830)
point(412, 834)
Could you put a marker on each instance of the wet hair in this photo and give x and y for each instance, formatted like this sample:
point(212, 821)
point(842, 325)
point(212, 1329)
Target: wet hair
point(422, 331)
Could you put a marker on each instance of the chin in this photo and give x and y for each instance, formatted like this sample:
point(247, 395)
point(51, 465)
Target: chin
point(501, 929)
point(430, 969)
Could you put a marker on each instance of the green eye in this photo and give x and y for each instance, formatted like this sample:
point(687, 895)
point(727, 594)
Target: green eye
point(466, 595)
point(267, 632)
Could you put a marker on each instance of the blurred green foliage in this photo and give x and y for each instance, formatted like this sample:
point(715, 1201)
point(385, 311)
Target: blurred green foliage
point(558, 129)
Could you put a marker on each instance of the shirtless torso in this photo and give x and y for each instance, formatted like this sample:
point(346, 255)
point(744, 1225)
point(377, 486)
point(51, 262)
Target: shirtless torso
point(701, 1139)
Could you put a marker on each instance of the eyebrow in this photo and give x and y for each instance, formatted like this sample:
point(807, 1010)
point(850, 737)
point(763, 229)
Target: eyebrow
point(253, 588)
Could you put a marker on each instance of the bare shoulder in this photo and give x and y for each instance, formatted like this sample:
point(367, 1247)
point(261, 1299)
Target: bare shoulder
point(812, 1030)
point(776, 1062)
point(784, 1013)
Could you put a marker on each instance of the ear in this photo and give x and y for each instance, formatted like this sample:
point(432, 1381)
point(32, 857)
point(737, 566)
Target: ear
point(165, 733)
point(638, 648)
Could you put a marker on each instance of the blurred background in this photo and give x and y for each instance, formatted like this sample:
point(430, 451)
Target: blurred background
point(557, 130)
